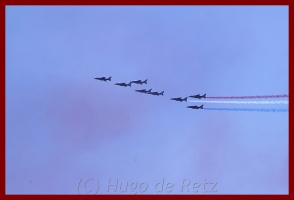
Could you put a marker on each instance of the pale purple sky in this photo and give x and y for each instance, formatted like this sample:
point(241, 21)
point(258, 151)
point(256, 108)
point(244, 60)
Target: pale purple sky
point(63, 126)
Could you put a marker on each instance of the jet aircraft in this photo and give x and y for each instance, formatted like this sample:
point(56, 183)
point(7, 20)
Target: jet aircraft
point(123, 84)
point(103, 78)
point(179, 99)
point(196, 107)
point(156, 93)
point(198, 96)
point(144, 91)
point(139, 82)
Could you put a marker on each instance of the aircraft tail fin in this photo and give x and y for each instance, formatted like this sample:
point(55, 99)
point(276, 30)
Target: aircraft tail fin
point(161, 93)
point(145, 81)
point(201, 106)
point(204, 96)
point(185, 99)
point(109, 78)
point(148, 91)
point(130, 84)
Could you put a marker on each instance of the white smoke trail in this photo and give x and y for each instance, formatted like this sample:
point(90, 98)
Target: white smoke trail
point(242, 102)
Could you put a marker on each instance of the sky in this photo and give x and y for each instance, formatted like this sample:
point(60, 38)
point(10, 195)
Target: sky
point(67, 133)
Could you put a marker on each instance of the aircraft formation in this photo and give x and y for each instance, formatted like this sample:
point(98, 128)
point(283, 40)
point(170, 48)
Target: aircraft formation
point(144, 91)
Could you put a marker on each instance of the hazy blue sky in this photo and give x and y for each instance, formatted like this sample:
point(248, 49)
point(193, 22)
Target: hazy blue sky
point(63, 127)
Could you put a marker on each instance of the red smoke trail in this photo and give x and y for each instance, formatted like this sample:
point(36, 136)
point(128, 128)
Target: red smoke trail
point(250, 97)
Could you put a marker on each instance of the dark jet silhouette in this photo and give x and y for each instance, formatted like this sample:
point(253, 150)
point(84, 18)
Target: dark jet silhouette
point(179, 99)
point(139, 82)
point(123, 84)
point(196, 107)
point(144, 91)
point(156, 93)
point(103, 78)
point(198, 96)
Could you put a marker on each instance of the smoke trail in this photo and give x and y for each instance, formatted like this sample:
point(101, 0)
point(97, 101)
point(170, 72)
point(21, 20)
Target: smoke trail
point(242, 102)
point(250, 97)
point(250, 109)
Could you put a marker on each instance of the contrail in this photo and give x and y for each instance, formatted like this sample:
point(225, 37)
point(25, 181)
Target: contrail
point(250, 97)
point(242, 102)
point(250, 109)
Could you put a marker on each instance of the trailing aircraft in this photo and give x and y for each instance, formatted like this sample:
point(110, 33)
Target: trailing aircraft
point(196, 107)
